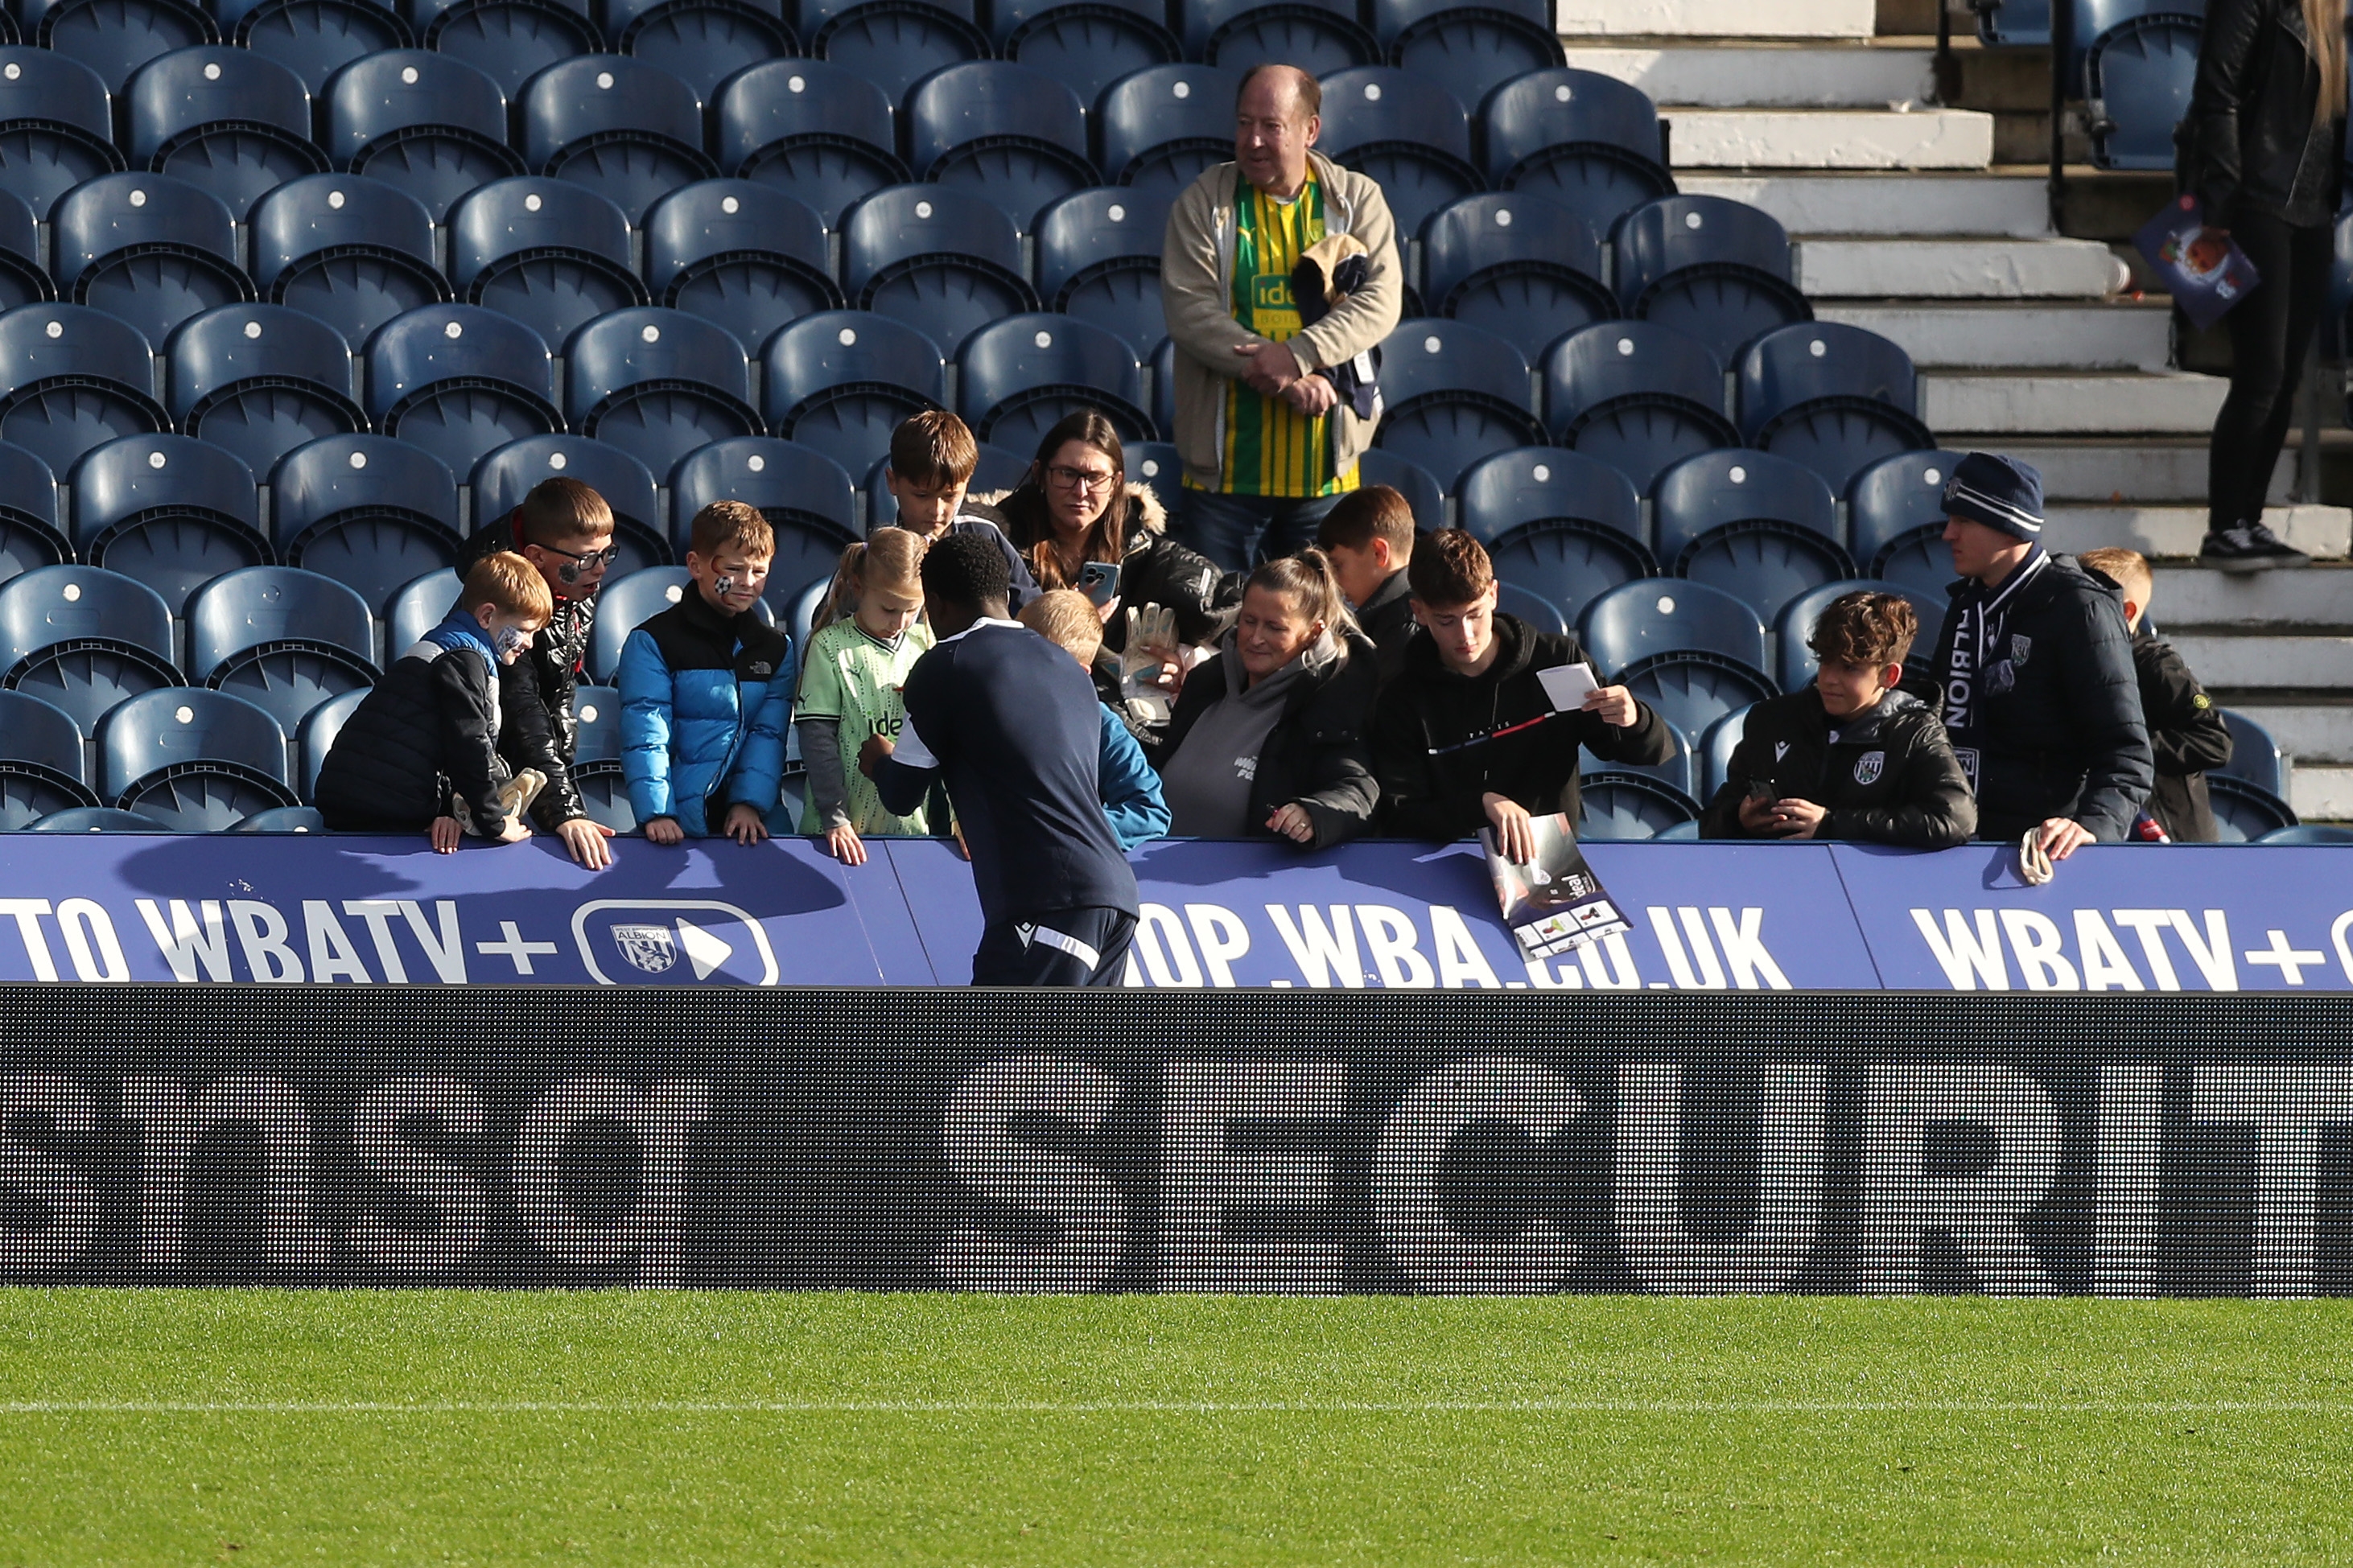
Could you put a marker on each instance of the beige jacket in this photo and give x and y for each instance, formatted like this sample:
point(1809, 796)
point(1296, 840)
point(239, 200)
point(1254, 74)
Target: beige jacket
point(1196, 282)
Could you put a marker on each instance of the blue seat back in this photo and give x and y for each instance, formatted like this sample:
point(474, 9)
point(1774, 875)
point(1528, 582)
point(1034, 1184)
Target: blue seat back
point(1018, 377)
point(596, 710)
point(1159, 128)
point(1799, 616)
point(282, 819)
point(508, 40)
point(993, 103)
point(1098, 258)
point(369, 511)
point(416, 609)
point(1405, 130)
point(1896, 516)
point(2255, 753)
point(170, 511)
point(42, 768)
point(83, 639)
point(1760, 527)
point(313, 38)
point(895, 44)
point(2139, 62)
point(812, 130)
point(459, 379)
point(702, 42)
point(1639, 360)
point(1716, 745)
point(1539, 485)
point(1619, 807)
point(119, 212)
point(24, 273)
point(806, 496)
point(353, 251)
point(2013, 21)
point(1408, 479)
point(1455, 393)
point(2308, 833)
point(1319, 36)
point(97, 819)
point(1086, 46)
point(64, 125)
point(658, 383)
point(740, 254)
point(942, 260)
point(114, 41)
point(260, 380)
point(1468, 50)
point(1586, 140)
point(196, 761)
point(507, 474)
point(842, 381)
point(426, 122)
point(625, 603)
point(1819, 361)
point(30, 537)
point(2245, 813)
point(227, 120)
point(72, 378)
point(1641, 620)
point(283, 638)
point(553, 254)
point(623, 127)
point(1535, 608)
point(1516, 265)
point(1672, 234)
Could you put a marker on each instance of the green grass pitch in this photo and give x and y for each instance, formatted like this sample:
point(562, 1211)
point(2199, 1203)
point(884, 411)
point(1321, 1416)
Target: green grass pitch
point(260, 1428)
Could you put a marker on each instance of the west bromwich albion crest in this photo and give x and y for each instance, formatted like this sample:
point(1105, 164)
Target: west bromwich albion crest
point(1868, 767)
point(2020, 646)
point(650, 948)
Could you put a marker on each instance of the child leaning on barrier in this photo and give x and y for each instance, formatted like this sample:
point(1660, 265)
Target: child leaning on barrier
point(421, 751)
point(2186, 730)
point(1130, 789)
point(706, 691)
point(870, 633)
point(932, 456)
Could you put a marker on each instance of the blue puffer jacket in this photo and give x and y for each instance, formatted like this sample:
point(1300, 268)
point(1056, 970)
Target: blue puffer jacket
point(705, 701)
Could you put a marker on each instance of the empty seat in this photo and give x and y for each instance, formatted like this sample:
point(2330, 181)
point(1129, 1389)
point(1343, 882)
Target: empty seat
point(1716, 745)
point(1404, 131)
point(227, 121)
point(283, 638)
point(1637, 395)
point(1680, 771)
point(1692, 652)
point(316, 737)
point(195, 760)
point(1798, 618)
point(805, 495)
point(41, 763)
point(739, 253)
point(1528, 605)
point(313, 38)
point(2308, 833)
point(508, 40)
point(282, 819)
point(549, 253)
point(945, 261)
point(1834, 397)
point(995, 472)
point(658, 383)
point(1619, 805)
point(260, 380)
point(1895, 520)
point(622, 604)
point(1099, 259)
point(627, 130)
point(1002, 131)
point(1410, 479)
point(1085, 45)
point(170, 511)
point(1468, 49)
point(2244, 812)
point(83, 639)
point(1155, 463)
point(895, 44)
point(1158, 128)
point(72, 378)
point(1319, 36)
point(148, 249)
point(422, 122)
point(2140, 59)
point(31, 538)
point(700, 42)
point(416, 609)
point(1515, 265)
point(1716, 268)
point(97, 819)
point(843, 381)
point(2016, 22)
point(24, 280)
point(1761, 528)
point(2255, 755)
point(114, 37)
point(1017, 378)
point(372, 513)
point(1589, 141)
point(56, 126)
point(813, 130)
point(597, 768)
point(504, 477)
point(1455, 395)
point(1558, 524)
point(352, 251)
point(459, 380)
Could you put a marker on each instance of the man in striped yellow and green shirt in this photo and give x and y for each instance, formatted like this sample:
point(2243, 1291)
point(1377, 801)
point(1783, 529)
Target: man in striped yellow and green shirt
point(1268, 447)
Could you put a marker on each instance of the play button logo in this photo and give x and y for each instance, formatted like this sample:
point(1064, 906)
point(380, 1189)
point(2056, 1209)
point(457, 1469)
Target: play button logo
point(672, 941)
point(704, 949)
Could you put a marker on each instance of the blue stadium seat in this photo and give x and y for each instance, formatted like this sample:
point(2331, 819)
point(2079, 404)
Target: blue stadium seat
point(313, 38)
point(1715, 748)
point(1158, 128)
point(800, 621)
point(147, 249)
point(169, 510)
point(352, 251)
point(371, 512)
point(1099, 259)
point(422, 122)
point(1588, 142)
point(700, 42)
point(459, 380)
point(2013, 21)
point(2140, 59)
point(1017, 378)
point(42, 768)
point(1515, 265)
point(997, 472)
point(658, 383)
point(196, 760)
point(1528, 605)
point(1155, 463)
point(2255, 755)
point(1834, 397)
point(1761, 528)
point(23, 280)
point(83, 639)
point(56, 126)
point(841, 381)
point(1556, 523)
point(510, 41)
point(226, 120)
point(628, 130)
point(1621, 805)
point(2245, 813)
point(549, 253)
point(72, 378)
point(945, 261)
point(1410, 479)
point(1716, 268)
point(1637, 395)
point(805, 495)
point(1085, 45)
point(813, 130)
point(1678, 771)
point(621, 604)
point(282, 819)
point(1468, 49)
point(739, 253)
point(30, 537)
point(283, 638)
point(416, 609)
point(259, 381)
point(97, 819)
point(2308, 833)
point(317, 735)
point(895, 44)
point(1692, 652)
point(1001, 131)
point(1319, 36)
point(1405, 131)
point(1796, 624)
point(1455, 395)
point(597, 768)
point(504, 477)
point(114, 39)
point(1896, 521)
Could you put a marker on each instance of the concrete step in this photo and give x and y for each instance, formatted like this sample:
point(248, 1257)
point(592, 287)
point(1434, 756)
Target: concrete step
point(2291, 661)
point(2087, 404)
point(2314, 734)
point(2203, 599)
point(2151, 471)
point(1716, 75)
point(2322, 795)
point(1718, 18)
point(2175, 533)
point(1878, 267)
point(1830, 139)
point(2009, 205)
point(2017, 337)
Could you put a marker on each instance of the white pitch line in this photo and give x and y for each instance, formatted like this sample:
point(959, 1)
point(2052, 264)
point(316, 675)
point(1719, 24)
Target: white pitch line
point(1172, 1406)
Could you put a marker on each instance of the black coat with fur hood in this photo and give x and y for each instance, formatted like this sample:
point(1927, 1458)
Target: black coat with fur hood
point(1153, 568)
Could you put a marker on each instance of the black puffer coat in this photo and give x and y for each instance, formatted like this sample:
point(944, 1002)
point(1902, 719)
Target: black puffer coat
point(427, 729)
point(535, 691)
point(1886, 777)
point(1153, 568)
point(2251, 113)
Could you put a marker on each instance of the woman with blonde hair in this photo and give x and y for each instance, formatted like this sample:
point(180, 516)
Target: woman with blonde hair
point(869, 633)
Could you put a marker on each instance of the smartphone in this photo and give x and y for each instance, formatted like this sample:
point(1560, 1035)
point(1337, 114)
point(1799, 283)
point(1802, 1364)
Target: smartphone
point(1099, 581)
point(1761, 789)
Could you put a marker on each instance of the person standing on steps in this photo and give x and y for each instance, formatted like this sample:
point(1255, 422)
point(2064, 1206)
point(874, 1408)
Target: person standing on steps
point(2262, 150)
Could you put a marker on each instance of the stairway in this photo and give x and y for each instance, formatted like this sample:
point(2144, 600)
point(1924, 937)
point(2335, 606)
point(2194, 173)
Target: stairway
point(1930, 224)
